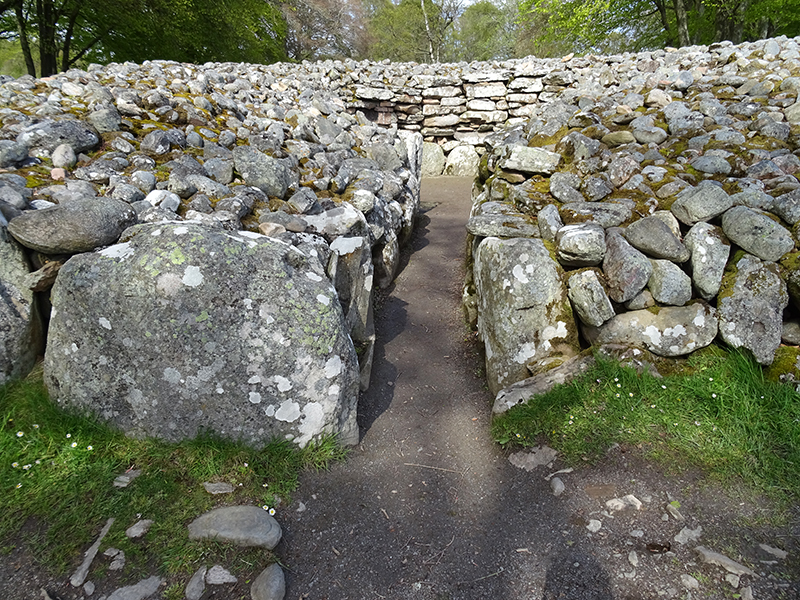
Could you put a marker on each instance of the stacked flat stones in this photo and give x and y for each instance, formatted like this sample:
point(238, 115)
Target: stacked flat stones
point(665, 202)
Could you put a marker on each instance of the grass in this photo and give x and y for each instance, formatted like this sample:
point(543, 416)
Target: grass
point(56, 492)
point(718, 413)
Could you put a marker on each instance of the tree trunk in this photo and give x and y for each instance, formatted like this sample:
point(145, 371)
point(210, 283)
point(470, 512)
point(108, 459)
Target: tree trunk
point(23, 38)
point(683, 24)
point(427, 31)
point(662, 12)
point(65, 60)
point(48, 52)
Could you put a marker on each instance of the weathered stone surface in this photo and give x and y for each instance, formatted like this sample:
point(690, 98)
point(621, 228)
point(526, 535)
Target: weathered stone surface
point(756, 233)
point(507, 226)
point(605, 214)
point(589, 298)
point(654, 237)
point(12, 153)
point(523, 311)
point(522, 391)
point(750, 307)
point(710, 250)
point(462, 162)
point(269, 585)
point(701, 203)
point(581, 245)
point(140, 591)
point(550, 222)
point(262, 171)
point(240, 525)
point(48, 135)
point(246, 368)
point(433, 160)
point(671, 331)
point(669, 284)
point(77, 226)
point(529, 160)
point(626, 269)
point(715, 558)
point(21, 334)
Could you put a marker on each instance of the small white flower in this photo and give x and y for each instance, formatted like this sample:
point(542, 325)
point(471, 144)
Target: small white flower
point(26, 467)
point(265, 507)
point(652, 406)
point(619, 385)
point(615, 379)
point(663, 387)
point(38, 462)
point(19, 485)
point(264, 485)
point(711, 379)
point(630, 394)
point(89, 448)
point(69, 435)
point(272, 511)
point(74, 444)
point(697, 423)
point(36, 426)
point(713, 395)
point(15, 465)
point(245, 464)
point(20, 434)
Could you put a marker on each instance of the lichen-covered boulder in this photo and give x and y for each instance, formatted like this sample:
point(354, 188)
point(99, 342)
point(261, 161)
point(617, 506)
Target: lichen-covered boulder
point(181, 329)
point(669, 331)
point(756, 233)
point(750, 306)
point(710, 251)
point(21, 338)
point(626, 269)
point(589, 298)
point(524, 315)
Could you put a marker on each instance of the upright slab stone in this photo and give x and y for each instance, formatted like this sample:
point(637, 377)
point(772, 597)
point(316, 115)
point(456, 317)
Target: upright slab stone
point(523, 313)
point(750, 306)
point(626, 269)
point(181, 329)
point(710, 250)
point(21, 338)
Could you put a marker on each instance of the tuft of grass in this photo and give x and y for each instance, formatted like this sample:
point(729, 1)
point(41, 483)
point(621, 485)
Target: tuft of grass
point(718, 413)
point(56, 486)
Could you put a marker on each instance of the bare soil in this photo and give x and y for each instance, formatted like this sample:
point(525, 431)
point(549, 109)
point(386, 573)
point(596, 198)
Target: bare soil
point(428, 507)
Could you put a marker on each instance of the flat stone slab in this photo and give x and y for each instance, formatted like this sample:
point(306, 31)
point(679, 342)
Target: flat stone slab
point(240, 525)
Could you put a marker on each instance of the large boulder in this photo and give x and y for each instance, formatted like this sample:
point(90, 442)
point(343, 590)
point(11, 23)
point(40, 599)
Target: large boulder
point(48, 135)
point(432, 159)
point(710, 250)
point(750, 306)
point(627, 270)
point(264, 172)
point(182, 329)
point(756, 233)
point(79, 225)
point(462, 162)
point(21, 338)
point(669, 331)
point(524, 315)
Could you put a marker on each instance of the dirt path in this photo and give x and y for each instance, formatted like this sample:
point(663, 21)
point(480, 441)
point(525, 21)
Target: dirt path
point(428, 507)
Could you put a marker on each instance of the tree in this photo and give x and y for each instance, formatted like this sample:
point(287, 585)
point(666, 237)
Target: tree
point(483, 32)
point(67, 31)
point(319, 29)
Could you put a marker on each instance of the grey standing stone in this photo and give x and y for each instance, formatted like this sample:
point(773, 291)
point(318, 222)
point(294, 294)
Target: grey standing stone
point(670, 331)
point(654, 237)
point(78, 226)
point(273, 360)
point(523, 313)
point(240, 525)
point(589, 298)
point(710, 250)
point(550, 222)
point(462, 161)
point(750, 307)
point(21, 330)
point(701, 203)
point(756, 233)
point(669, 284)
point(269, 585)
point(433, 160)
point(626, 269)
point(262, 171)
point(581, 245)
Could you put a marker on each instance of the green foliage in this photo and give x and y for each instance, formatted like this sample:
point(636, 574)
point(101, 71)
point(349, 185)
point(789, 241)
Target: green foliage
point(11, 60)
point(483, 32)
point(720, 414)
point(58, 468)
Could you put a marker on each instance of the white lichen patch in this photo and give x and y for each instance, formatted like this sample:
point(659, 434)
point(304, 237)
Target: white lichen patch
point(313, 276)
point(104, 323)
point(254, 379)
point(519, 274)
point(346, 245)
point(525, 353)
point(121, 251)
point(156, 232)
point(675, 332)
point(699, 320)
point(550, 332)
point(168, 284)
point(333, 366)
point(254, 398)
point(313, 423)
point(284, 385)
point(192, 276)
point(323, 299)
point(252, 235)
point(288, 411)
point(652, 332)
point(172, 376)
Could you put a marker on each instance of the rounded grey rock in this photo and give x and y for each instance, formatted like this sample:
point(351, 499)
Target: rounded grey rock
point(654, 237)
point(269, 585)
point(701, 203)
point(756, 233)
point(240, 525)
point(11, 153)
point(580, 245)
point(669, 284)
point(48, 135)
point(713, 165)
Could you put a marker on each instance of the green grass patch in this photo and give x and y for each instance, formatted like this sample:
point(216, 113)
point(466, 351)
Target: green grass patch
point(718, 413)
point(56, 486)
